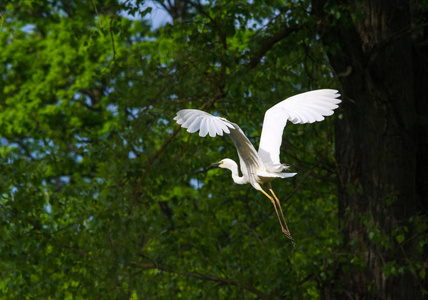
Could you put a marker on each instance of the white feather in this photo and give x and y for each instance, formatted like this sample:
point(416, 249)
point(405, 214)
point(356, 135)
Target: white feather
point(195, 120)
point(303, 108)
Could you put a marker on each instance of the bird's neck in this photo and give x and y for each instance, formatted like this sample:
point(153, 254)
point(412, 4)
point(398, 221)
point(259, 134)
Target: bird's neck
point(235, 175)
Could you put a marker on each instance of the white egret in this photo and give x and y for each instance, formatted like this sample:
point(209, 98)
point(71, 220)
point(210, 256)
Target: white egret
point(260, 168)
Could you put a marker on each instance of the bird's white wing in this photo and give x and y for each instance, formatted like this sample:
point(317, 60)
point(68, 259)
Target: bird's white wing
point(303, 108)
point(195, 120)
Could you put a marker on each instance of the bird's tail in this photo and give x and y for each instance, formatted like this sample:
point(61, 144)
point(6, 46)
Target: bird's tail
point(276, 167)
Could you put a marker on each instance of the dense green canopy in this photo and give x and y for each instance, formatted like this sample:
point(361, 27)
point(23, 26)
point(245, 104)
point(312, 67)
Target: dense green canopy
point(104, 197)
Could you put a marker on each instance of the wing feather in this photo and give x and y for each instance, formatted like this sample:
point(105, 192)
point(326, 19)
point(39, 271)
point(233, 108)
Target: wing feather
point(196, 124)
point(218, 128)
point(191, 120)
point(212, 127)
point(204, 127)
point(195, 120)
point(303, 108)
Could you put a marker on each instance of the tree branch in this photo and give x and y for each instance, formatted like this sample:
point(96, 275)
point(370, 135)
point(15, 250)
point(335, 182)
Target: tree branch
point(152, 159)
point(221, 280)
point(268, 42)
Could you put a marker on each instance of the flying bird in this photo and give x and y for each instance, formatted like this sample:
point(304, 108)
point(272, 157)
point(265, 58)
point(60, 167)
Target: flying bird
point(259, 168)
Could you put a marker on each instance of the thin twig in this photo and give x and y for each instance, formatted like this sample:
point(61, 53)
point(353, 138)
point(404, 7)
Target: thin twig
point(99, 20)
point(2, 21)
point(112, 42)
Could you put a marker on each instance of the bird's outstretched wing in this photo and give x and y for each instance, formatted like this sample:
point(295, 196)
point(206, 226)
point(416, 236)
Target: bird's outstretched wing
point(303, 108)
point(195, 120)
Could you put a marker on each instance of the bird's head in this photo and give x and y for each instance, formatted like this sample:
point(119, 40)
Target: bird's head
point(224, 163)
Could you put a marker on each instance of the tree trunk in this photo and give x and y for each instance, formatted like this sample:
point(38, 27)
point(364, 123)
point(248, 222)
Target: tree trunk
point(380, 56)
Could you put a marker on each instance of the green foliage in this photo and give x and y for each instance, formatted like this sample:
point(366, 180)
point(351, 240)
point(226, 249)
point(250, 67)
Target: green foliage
point(103, 197)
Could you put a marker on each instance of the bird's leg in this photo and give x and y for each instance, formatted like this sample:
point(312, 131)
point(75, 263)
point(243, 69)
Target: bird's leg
point(279, 204)
point(274, 205)
point(285, 231)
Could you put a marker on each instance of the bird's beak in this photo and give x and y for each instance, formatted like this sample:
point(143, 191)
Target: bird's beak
point(216, 165)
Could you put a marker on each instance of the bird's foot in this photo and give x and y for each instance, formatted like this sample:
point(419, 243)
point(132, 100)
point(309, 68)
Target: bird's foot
point(288, 235)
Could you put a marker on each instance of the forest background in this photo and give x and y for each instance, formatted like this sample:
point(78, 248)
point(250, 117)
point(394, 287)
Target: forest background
point(103, 196)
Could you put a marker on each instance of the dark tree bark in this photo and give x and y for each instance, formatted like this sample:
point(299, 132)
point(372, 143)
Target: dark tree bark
point(379, 51)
